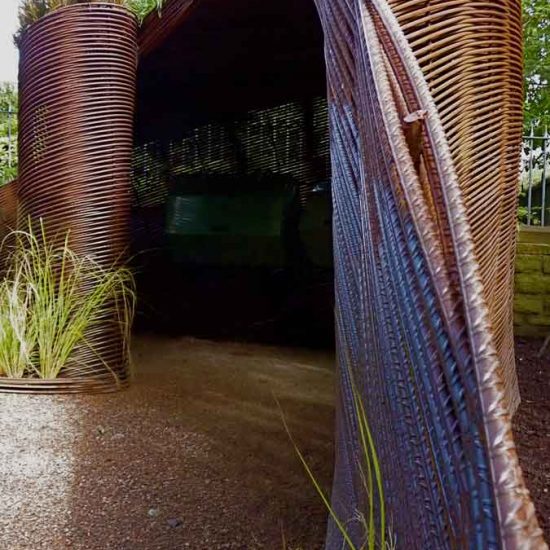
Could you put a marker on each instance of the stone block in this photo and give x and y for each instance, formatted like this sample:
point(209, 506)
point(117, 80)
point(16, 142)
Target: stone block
point(539, 320)
point(529, 303)
point(531, 249)
point(520, 319)
point(532, 283)
point(529, 264)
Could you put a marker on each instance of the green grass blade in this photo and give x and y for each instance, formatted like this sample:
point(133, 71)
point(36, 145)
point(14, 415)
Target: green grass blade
point(316, 484)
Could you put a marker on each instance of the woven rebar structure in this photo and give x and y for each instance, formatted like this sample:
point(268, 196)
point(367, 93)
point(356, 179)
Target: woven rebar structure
point(470, 54)
point(77, 90)
point(8, 207)
point(424, 101)
point(8, 215)
point(424, 235)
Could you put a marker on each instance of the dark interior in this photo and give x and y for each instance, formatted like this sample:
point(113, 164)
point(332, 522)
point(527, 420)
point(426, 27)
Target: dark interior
point(231, 219)
point(227, 58)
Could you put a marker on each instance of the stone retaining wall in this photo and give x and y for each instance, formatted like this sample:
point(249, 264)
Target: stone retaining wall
point(532, 292)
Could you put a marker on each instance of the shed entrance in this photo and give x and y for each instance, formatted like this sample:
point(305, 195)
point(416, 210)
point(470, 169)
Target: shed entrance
point(231, 185)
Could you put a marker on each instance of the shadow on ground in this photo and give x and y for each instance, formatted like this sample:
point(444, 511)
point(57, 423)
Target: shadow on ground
point(194, 455)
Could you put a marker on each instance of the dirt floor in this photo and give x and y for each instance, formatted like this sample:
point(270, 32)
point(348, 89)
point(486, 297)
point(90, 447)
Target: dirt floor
point(532, 424)
point(194, 455)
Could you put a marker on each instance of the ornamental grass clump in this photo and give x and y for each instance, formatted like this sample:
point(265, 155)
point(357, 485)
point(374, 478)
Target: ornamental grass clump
point(50, 299)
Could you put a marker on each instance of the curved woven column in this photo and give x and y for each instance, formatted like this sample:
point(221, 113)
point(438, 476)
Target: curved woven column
point(470, 54)
point(422, 326)
point(77, 91)
point(8, 213)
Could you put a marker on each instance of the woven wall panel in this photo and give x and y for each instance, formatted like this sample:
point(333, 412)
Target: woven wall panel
point(471, 56)
point(8, 214)
point(8, 206)
point(159, 26)
point(416, 326)
point(425, 113)
point(77, 90)
point(289, 139)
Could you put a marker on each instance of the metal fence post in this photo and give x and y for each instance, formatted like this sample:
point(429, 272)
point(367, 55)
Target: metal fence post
point(543, 177)
point(530, 188)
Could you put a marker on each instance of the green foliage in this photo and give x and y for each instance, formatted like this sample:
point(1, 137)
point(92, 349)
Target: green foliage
point(31, 11)
point(8, 132)
point(50, 298)
point(142, 8)
point(377, 535)
point(536, 29)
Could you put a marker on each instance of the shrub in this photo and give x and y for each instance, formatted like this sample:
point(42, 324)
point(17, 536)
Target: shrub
point(31, 11)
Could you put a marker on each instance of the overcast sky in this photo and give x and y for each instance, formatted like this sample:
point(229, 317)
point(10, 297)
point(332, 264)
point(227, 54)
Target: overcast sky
point(8, 52)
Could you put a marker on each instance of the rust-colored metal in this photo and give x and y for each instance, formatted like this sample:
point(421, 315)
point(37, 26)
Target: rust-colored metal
point(77, 95)
point(425, 140)
point(8, 207)
point(425, 108)
point(159, 26)
point(470, 54)
point(8, 215)
point(424, 102)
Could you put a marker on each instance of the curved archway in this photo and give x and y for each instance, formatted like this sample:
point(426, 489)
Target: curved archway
point(423, 244)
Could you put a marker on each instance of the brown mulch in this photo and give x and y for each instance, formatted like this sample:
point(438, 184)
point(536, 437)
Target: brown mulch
point(532, 424)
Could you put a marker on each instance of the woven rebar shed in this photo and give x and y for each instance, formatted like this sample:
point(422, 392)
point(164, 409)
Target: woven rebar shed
point(413, 112)
point(424, 103)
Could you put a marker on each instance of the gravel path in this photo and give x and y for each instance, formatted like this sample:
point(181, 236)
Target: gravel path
point(36, 470)
point(192, 456)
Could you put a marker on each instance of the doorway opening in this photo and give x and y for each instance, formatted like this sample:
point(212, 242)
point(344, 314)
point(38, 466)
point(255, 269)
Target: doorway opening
point(232, 200)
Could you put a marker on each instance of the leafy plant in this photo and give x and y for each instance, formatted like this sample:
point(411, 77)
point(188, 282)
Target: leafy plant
point(31, 11)
point(142, 8)
point(536, 22)
point(8, 132)
point(50, 299)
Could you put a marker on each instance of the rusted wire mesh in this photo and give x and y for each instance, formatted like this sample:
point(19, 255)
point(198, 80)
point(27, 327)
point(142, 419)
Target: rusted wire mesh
point(423, 226)
point(425, 110)
point(288, 140)
point(424, 245)
point(77, 89)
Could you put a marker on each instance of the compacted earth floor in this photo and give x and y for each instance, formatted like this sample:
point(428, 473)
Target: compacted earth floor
point(195, 455)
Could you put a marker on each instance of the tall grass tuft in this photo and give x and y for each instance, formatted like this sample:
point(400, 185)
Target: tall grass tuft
point(50, 299)
point(377, 535)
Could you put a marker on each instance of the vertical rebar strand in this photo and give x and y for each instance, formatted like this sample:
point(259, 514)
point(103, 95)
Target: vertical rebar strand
point(531, 142)
point(543, 177)
point(9, 137)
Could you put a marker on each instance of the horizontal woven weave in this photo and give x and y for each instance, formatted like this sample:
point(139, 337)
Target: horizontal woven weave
point(77, 91)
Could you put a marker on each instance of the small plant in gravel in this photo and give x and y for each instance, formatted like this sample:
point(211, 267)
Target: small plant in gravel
point(50, 299)
point(377, 535)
